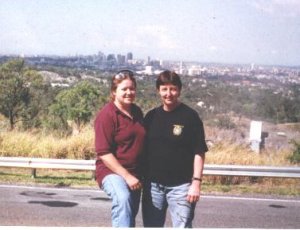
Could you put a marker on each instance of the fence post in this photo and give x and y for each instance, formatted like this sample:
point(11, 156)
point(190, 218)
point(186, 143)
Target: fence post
point(33, 173)
point(94, 175)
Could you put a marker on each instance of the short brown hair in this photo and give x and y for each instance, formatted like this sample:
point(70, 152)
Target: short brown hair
point(168, 77)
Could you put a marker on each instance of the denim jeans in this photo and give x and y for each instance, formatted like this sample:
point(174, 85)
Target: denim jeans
point(157, 198)
point(125, 202)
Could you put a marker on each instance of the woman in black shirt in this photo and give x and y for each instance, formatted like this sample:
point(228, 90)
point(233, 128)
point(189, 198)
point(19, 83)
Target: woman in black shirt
point(174, 157)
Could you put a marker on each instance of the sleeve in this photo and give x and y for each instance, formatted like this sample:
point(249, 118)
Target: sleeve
point(104, 133)
point(200, 146)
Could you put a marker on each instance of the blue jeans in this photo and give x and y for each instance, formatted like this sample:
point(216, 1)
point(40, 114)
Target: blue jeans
point(157, 198)
point(125, 202)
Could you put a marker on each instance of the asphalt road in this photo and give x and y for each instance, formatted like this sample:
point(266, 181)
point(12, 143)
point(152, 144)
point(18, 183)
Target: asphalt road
point(44, 206)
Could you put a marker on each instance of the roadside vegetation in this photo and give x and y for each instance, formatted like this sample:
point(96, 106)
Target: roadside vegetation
point(80, 146)
point(39, 120)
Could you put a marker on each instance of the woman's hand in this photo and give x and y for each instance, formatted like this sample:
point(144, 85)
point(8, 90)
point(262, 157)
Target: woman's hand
point(194, 192)
point(133, 182)
point(113, 164)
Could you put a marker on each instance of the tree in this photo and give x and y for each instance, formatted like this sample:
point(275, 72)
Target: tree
point(17, 83)
point(41, 95)
point(76, 104)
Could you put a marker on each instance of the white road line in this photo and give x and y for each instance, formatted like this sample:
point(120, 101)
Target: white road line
point(249, 198)
point(51, 188)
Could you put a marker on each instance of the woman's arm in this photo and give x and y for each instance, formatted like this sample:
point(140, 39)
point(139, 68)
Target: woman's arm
point(195, 188)
point(113, 164)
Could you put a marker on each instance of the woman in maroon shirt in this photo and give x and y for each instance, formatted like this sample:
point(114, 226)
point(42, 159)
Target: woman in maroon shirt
point(119, 138)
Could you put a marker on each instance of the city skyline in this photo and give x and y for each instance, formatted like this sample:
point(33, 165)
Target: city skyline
point(241, 32)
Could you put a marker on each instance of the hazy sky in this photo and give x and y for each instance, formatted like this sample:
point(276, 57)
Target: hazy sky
point(227, 31)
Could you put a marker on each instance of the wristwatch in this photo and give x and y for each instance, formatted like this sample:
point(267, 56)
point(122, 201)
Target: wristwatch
point(196, 178)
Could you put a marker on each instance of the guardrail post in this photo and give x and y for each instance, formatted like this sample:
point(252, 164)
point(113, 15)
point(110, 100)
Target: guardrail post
point(33, 173)
point(94, 175)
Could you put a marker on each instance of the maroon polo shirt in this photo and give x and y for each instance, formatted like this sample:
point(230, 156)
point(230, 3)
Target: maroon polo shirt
point(117, 133)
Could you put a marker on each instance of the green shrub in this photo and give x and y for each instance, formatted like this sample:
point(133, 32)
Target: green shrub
point(225, 122)
point(295, 157)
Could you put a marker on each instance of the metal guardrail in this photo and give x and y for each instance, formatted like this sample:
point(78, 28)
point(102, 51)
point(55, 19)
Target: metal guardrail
point(46, 163)
point(209, 169)
point(25, 162)
point(252, 171)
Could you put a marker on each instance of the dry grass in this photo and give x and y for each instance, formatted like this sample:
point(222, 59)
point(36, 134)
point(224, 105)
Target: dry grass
point(233, 146)
point(226, 152)
point(227, 148)
point(25, 144)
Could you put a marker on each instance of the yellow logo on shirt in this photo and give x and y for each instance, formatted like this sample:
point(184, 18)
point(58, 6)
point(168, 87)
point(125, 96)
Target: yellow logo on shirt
point(177, 130)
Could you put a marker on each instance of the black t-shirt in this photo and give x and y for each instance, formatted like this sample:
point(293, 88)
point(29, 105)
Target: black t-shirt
point(172, 140)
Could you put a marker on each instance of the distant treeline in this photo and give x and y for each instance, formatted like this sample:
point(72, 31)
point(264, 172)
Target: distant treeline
point(27, 101)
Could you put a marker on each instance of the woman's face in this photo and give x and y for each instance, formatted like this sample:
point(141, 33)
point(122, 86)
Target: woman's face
point(125, 92)
point(169, 94)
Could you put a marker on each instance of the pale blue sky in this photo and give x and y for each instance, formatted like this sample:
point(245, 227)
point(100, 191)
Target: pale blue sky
point(227, 31)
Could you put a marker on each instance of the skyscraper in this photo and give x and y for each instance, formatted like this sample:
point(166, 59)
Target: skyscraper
point(129, 56)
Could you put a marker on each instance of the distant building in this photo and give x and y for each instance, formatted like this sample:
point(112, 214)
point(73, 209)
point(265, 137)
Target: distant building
point(182, 68)
point(111, 60)
point(120, 59)
point(129, 56)
point(161, 62)
point(149, 70)
point(194, 70)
